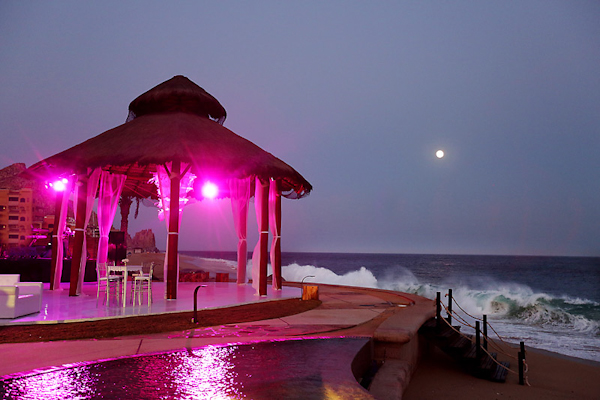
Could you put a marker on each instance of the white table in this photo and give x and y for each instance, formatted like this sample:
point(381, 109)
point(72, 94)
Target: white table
point(125, 269)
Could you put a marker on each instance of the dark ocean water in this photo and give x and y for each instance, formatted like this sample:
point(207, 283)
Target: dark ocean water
point(549, 302)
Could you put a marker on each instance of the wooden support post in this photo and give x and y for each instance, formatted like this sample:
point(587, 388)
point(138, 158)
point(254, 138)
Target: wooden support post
point(485, 335)
point(78, 249)
point(478, 339)
point(173, 233)
point(450, 306)
point(56, 241)
point(277, 251)
point(438, 310)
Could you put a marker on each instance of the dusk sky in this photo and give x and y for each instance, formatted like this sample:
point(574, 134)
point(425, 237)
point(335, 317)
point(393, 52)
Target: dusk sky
point(357, 96)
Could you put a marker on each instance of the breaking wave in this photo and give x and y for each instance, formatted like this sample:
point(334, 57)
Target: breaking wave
point(362, 277)
point(499, 300)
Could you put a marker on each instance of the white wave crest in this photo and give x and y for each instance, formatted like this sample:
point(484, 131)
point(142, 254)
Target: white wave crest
point(309, 273)
point(579, 302)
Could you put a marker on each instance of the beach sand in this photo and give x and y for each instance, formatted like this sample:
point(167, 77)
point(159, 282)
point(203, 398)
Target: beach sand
point(551, 376)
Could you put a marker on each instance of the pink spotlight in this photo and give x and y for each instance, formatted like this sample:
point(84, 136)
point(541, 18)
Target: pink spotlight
point(210, 190)
point(59, 185)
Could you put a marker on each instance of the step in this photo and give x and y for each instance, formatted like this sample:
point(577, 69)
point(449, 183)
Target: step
point(470, 353)
point(457, 327)
point(430, 323)
point(485, 366)
point(458, 345)
point(499, 375)
point(429, 328)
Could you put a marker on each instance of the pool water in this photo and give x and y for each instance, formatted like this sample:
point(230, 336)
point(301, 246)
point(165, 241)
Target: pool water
point(289, 369)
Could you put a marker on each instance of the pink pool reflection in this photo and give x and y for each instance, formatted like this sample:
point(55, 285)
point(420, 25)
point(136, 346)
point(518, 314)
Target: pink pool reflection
point(290, 369)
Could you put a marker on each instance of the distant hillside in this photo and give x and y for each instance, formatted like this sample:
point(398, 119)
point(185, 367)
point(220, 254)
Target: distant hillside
point(42, 197)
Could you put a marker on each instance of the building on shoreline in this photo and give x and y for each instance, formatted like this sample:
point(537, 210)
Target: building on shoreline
point(17, 219)
point(27, 214)
point(24, 209)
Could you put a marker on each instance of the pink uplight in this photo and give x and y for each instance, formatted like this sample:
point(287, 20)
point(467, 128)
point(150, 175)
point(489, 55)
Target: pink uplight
point(59, 185)
point(210, 190)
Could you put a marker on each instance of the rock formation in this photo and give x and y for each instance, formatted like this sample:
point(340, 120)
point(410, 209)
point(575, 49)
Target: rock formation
point(144, 240)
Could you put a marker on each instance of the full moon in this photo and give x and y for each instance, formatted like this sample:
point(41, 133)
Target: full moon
point(439, 153)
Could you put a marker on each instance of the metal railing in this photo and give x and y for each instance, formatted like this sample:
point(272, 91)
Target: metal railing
point(481, 333)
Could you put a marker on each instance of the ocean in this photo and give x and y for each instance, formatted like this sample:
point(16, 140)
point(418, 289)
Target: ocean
point(550, 303)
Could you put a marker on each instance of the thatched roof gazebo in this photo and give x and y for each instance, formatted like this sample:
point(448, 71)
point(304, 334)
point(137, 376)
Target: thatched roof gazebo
point(172, 142)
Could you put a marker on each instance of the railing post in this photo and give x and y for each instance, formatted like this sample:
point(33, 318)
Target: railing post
point(522, 364)
point(438, 310)
point(521, 378)
point(478, 339)
point(485, 335)
point(450, 306)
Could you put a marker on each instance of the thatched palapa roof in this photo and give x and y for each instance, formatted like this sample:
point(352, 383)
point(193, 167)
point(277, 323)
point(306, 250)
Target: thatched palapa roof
point(175, 121)
point(177, 94)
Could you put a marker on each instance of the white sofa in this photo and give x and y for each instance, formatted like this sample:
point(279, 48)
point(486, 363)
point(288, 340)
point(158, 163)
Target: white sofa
point(19, 298)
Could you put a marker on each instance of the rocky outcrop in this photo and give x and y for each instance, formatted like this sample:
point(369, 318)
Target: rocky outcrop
point(144, 240)
point(9, 178)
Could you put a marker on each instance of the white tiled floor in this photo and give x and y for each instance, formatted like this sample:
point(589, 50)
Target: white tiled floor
point(58, 306)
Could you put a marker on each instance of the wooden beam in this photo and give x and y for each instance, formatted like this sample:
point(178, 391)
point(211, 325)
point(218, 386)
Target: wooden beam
point(173, 233)
point(277, 251)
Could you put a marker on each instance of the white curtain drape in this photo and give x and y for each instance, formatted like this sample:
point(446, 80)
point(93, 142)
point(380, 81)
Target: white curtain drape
point(111, 186)
point(90, 196)
point(275, 226)
point(240, 192)
point(263, 236)
point(60, 226)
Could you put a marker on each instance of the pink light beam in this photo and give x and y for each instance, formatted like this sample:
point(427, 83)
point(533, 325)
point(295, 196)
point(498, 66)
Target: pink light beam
point(210, 190)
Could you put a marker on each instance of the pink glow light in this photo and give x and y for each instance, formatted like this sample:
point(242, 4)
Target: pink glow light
point(210, 190)
point(59, 185)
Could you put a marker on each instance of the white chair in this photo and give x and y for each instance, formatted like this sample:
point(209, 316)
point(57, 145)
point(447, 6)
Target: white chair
point(143, 281)
point(106, 280)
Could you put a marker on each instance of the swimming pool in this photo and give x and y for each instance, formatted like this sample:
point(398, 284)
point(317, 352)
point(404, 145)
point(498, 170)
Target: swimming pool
point(287, 369)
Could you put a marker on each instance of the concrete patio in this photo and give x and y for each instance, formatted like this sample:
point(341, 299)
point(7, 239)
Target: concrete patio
point(59, 307)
